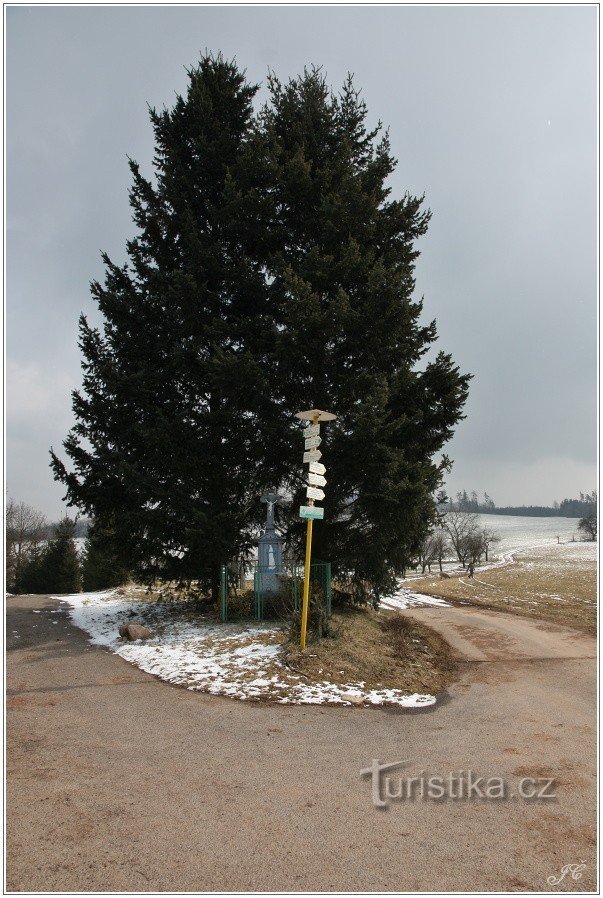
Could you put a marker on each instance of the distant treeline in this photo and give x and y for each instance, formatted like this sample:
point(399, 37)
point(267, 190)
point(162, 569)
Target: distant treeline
point(585, 506)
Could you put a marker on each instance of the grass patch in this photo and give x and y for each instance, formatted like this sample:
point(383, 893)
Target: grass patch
point(554, 584)
point(383, 650)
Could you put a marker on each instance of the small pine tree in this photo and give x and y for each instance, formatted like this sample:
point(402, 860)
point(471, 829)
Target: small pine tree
point(103, 564)
point(59, 566)
point(29, 577)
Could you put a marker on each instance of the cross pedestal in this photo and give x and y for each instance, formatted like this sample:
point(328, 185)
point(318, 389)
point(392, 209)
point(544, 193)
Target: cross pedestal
point(270, 548)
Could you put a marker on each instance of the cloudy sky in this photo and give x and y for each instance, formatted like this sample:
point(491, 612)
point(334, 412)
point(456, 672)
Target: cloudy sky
point(492, 114)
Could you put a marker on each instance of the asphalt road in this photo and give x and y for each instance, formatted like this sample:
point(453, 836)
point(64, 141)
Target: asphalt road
point(117, 781)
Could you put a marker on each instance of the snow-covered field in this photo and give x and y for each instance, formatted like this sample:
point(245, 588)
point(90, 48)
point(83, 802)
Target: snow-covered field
point(244, 661)
point(519, 532)
point(517, 536)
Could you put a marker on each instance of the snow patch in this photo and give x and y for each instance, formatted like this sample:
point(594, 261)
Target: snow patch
point(404, 599)
point(239, 660)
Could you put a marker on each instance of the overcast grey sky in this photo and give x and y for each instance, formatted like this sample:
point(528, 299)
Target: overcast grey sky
point(492, 114)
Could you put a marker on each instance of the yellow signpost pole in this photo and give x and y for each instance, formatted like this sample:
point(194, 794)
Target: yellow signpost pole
point(305, 599)
point(306, 593)
point(315, 478)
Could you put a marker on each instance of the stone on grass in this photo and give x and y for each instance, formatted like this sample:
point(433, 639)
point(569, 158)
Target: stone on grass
point(354, 699)
point(133, 631)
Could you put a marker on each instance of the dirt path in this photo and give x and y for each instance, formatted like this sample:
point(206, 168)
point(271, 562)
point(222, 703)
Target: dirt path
point(478, 635)
point(119, 782)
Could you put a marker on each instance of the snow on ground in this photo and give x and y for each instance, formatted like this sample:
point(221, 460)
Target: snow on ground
point(518, 532)
point(579, 555)
point(519, 536)
point(404, 598)
point(246, 660)
point(240, 660)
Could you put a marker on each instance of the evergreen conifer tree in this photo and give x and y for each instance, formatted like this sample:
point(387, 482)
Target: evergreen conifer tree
point(350, 338)
point(103, 564)
point(168, 445)
point(57, 568)
point(271, 273)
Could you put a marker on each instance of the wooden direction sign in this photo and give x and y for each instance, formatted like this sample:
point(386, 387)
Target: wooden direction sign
point(312, 430)
point(313, 493)
point(312, 512)
point(315, 414)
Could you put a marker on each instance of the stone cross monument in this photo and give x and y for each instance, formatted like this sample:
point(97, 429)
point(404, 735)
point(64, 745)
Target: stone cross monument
point(270, 547)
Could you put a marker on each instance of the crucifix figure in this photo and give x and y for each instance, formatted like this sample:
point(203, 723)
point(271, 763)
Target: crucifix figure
point(271, 500)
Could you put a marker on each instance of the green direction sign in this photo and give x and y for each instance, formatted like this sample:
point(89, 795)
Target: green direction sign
point(311, 511)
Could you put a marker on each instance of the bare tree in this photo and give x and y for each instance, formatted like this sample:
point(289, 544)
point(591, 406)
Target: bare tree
point(427, 553)
point(462, 527)
point(588, 526)
point(26, 531)
point(489, 539)
point(440, 545)
point(473, 548)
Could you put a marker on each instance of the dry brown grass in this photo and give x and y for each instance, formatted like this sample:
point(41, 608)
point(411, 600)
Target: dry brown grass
point(553, 583)
point(383, 650)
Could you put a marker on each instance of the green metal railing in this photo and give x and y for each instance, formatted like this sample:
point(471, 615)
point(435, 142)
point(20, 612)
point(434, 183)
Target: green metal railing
point(258, 595)
point(320, 580)
point(224, 592)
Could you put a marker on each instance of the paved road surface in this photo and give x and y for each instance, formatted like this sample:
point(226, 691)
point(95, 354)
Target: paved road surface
point(119, 782)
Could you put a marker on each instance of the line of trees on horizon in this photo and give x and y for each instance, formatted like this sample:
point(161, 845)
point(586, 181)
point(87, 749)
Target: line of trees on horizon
point(582, 507)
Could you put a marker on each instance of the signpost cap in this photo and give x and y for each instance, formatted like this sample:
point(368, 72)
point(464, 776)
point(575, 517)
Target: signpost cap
point(315, 413)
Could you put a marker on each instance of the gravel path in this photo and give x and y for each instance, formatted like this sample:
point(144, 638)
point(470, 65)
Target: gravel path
point(119, 782)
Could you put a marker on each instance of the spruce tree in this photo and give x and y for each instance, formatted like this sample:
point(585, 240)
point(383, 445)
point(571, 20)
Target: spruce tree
point(57, 568)
point(271, 272)
point(103, 563)
point(350, 335)
point(168, 444)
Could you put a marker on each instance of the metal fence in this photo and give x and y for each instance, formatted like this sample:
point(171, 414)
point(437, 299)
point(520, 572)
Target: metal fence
point(236, 583)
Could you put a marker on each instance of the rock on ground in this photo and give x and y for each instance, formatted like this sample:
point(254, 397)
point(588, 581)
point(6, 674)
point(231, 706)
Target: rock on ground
point(132, 631)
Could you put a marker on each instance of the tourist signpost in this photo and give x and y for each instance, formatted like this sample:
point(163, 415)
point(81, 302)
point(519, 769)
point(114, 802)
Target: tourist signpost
point(313, 493)
point(311, 512)
point(316, 479)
